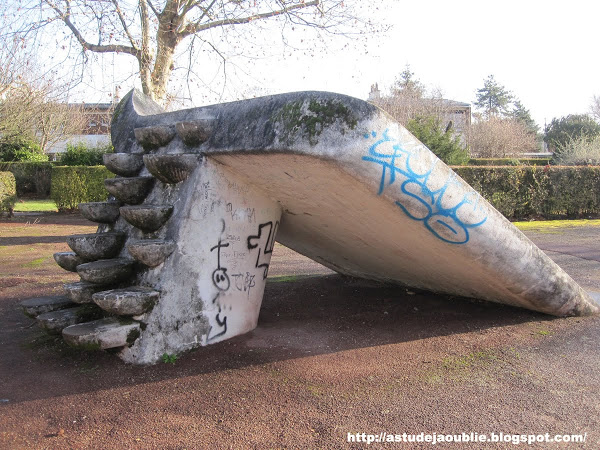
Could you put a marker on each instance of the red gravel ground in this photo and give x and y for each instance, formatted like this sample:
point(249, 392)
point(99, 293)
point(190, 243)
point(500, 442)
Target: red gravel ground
point(330, 356)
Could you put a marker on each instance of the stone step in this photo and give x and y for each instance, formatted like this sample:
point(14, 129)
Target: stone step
point(130, 190)
point(195, 132)
point(102, 334)
point(100, 212)
point(147, 218)
point(33, 307)
point(82, 291)
point(151, 252)
point(153, 137)
point(54, 322)
point(106, 271)
point(131, 301)
point(124, 164)
point(97, 245)
point(171, 169)
point(68, 260)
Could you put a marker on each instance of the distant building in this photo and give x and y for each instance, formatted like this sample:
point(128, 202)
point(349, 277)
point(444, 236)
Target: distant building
point(458, 116)
point(95, 130)
point(454, 115)
point(375, 94)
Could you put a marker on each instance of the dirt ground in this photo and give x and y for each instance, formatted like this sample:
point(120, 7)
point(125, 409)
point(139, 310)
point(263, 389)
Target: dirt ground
point(331, 356)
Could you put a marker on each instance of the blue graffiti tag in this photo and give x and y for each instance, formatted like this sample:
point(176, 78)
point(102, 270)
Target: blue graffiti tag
point(439, 206)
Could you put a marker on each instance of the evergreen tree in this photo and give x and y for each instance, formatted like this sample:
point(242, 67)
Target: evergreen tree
point(441, 141)
point(408, 85)
point(561, 131)
point(493, 98)
point(522, 114)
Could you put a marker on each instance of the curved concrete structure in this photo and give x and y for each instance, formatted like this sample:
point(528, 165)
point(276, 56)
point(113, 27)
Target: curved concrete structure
point(329, 176)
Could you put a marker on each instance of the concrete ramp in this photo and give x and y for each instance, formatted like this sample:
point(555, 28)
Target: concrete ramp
point(184, 246)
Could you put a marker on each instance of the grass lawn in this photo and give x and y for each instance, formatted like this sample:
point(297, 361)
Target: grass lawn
point(35, 206)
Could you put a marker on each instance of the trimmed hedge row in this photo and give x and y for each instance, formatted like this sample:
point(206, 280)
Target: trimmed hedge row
point(550, 192)
point(72, 185)
point(8, 192)
point(509, 161)
point(30, 177)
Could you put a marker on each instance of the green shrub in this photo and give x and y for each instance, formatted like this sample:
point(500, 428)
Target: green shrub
point(81, 155)
point(444, 143)
point(509, 162)
point(72, 185)
point(550, 192)
point(8, 192)
point(31, 177)
point(21, 148)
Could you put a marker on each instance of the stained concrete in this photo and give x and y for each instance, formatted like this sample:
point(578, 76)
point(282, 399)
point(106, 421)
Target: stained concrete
point(329, 176)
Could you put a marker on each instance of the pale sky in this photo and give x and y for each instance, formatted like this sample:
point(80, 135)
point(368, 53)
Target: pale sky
point(545, 52)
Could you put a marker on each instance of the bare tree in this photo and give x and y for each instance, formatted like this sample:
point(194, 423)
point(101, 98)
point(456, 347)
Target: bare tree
point(32, 105)
point(409, 99)
point(152, 30)
point(500, 137)
point(595, 107)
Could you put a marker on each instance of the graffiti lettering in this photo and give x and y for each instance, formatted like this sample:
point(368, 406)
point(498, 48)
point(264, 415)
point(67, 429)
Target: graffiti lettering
point(264, 251)
point(219, 276)
point(428, 191)
point(222, 322)
point(243, 283)
point(241, 214)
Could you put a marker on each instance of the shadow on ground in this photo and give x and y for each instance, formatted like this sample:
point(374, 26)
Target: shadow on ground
point(305, 316)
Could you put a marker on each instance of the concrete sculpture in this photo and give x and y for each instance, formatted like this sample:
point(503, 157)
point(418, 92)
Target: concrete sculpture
point(183, 248)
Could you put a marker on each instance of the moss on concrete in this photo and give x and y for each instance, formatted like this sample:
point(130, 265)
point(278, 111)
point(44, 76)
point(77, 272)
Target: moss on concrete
point(133, 335)
point(311, 119)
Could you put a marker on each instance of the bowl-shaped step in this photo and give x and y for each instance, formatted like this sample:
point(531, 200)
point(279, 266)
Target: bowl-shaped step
point(68, 260)
point(130, 190)
point(33, 307)
point(151, 252)
point(124, 164)
point(100, 212)
point(109, 332)
point(196, 132)
point(147, 218)
point(106, 271)
point(97, 245)
point(171, 169)
point(82, 291)
point(130, 301)
point(153, 137)
point(54, 322)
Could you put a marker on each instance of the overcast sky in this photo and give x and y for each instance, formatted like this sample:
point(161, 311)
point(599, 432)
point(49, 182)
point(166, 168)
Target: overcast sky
point(545, 52)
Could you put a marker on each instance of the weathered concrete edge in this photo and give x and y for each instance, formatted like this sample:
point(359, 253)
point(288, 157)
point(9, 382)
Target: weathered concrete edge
point(261, 126)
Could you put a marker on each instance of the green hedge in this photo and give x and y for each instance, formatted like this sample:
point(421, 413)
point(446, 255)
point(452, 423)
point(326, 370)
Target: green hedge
point(31, 177)
point(550, 192)
point(72, 185)
point(509, 161)
point(8, 192)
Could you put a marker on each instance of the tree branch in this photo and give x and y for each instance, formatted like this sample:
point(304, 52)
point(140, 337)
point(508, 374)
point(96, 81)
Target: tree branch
point(111, 48)
point(145, 25)
point(124, 24)
point(196, 27)
point(154, 10)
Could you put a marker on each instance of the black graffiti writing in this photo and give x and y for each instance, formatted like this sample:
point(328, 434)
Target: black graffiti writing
point(243, 282)
point(222, 322)
point(264, 241)
point(219, 276)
